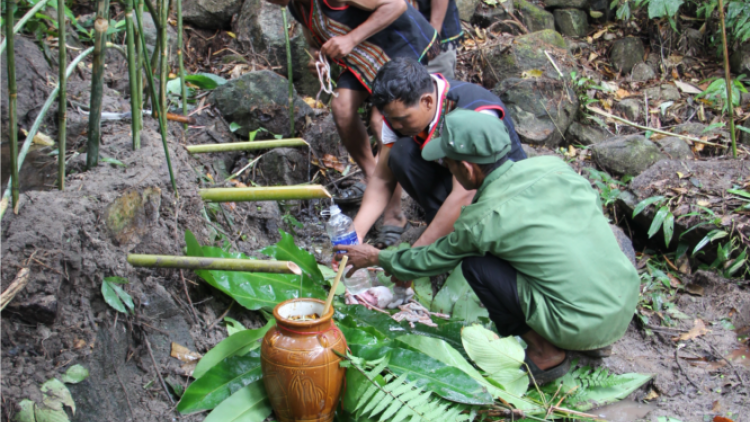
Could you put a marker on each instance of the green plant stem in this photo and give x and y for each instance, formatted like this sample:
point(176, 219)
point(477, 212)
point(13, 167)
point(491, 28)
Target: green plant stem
point(289, 72)
point(62, 108)
point(164, 70)
point(162, 122)
point(38, 122)
point(246, 146)
point(181, 61)
point(272, 193)
point(224, 264)
point(21, 22)
point(728, 76)
point(139, 68)
point(132, 76)
point(10, 8)
point(97, 83)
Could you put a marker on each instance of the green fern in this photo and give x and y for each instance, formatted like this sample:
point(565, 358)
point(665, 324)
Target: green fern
point(401, 400)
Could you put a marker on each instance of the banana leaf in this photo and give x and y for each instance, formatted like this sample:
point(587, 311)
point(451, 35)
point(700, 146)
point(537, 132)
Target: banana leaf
point(238, 344)
point(430, 374)
point(220, 382)
point(458, 299)
point(248, 404)
point(253, 290)
point(286, 250)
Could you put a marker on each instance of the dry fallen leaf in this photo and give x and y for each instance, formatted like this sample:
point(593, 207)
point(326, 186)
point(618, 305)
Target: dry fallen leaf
point(716, 406)
point(42, 139)
point(652, 395)
point(231, 34)
point(722, 419)
point(694, 289)
point(534, 73)
point(599, 33)
point(699, 329)
point(593, 57)
point(687, 88)
point(332, 162)
point(79, 344)
point(184, 354)
point(621, 93)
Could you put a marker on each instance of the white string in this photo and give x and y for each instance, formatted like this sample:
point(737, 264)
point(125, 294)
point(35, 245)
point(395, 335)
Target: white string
point(324, 76)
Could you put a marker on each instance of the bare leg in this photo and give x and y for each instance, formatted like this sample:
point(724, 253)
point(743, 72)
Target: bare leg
point(351, 128)
point(544, 354)
point(393, 215)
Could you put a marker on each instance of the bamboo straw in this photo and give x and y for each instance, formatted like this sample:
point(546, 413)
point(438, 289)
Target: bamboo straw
point(10, 8)
point(139, 70)
point(38, 123)
point(162, 122)
point(62, 108)
point(101, 25)
point(164, 63)
point(273, 193)
point(132, 76)
point(25, 18)
point(181, 62)
point(289, 73)
point(223, 264)
point(246, 146)
point(728, 76)
point(332, 293)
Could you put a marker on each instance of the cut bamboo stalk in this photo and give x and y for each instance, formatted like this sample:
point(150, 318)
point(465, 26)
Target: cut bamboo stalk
point(728, 76)
point(62, 108)
point(181, 63)
point(101, 25)
point(222, 264)
point(273, 193)
point(25, 18)
point(10, 8)
point(332, 293)
point(289, 72)
point(162, 122)
point(132, 75)
point(38, 123)
point(21, 280)
point(164, 69)
point(139, 68)
point(247, 146)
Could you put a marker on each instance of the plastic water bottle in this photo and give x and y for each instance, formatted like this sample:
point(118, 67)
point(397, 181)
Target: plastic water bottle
point(341, 231)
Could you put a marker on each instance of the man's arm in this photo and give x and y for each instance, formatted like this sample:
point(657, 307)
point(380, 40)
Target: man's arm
point(438, 9)
point(384, 13)
point(447, 215)
point(379, 190)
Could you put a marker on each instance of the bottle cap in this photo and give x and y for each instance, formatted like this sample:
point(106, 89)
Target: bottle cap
point(334, 210)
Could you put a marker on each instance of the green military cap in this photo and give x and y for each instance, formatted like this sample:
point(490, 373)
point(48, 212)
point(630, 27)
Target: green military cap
point(470, 136)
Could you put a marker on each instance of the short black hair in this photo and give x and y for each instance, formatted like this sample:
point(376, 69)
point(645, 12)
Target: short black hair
point(489, 168)
point(403, 79)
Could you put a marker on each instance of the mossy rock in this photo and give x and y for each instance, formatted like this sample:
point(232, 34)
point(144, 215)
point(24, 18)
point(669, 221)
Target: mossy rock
point(626, 155)
point(534, 17)
point(526, 53)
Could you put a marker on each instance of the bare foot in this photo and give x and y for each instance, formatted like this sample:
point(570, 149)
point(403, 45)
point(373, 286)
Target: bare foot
point(544, 354)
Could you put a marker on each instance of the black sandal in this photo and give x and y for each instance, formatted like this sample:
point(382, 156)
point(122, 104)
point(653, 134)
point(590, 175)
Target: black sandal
point(548, 375)
point(389, 236)
point(351, 195)
point(602, 352)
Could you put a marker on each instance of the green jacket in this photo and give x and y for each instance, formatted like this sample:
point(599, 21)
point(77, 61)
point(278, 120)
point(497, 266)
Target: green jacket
point(576, 287)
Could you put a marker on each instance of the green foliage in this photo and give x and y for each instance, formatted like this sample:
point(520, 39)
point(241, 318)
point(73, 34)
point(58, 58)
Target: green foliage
point(582, 85)
point(233, 326)
point(238, 344)
point(607, 186)
point(663, 219)
point(115, 296)
point(75, 374)
point(458, 299)
point(500, 358)
point(205, 81)
point(717, 91)
point(291, 223)
point(248, 404)
point(55, 398)
point(220, 382)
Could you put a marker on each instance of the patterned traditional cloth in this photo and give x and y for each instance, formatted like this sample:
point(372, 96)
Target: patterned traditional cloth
point(410, 35)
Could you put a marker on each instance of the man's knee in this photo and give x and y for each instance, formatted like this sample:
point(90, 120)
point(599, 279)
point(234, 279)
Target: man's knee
point(343, 109)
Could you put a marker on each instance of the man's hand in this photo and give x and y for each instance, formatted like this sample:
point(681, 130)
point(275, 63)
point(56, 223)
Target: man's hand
point(338, 47)
point(360, 256)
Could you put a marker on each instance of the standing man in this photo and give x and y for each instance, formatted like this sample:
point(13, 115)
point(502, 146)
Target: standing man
point(414, 104)
point(534, 245)
point(443, 16)
point(361, 36)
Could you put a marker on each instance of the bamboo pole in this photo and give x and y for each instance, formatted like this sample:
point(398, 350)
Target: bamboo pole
point(25, 18)
point(62, 108)
point(10, 8)
point(21, 280)
point(162, 122)
point(101, 25)
point(289, 72)
point(272, 193)
point(38, 123)
point(164, 68)
point(181, 62)
point(728, 80)
point(136, 116)
point(246, 146)
point(223, 264)
point(139, 68)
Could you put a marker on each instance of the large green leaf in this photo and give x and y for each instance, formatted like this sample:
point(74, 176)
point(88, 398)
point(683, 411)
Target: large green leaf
point(253, 290)
point(75, 374)
point(25, 412)
point(656, 223)
point(423, 291)
point(286, 250)
point(248, 404)
point(115, 296)
point(458, 299)
point(663, 8)
point(55, 395)
point(233, 326)
point(365, 336)
point(430, 374)
point(220, 382)
point(469, 308)
point(501, 358)
point(237, 344)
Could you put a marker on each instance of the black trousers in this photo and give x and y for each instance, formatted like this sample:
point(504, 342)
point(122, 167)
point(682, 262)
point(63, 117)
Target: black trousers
point(427, 182)
point(494, 282)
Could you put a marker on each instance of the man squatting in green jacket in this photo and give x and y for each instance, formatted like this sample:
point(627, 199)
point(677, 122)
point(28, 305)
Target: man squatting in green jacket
point(534, 245)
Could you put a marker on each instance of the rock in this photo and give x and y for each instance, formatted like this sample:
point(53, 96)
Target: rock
point(600, 6)
point(131, 216)
point(149, 34)
point(626, 155)
point(486, 15)
point(585, 135)
point(626, 53)
point(642, 72)
point(466, 9)
point(529, 150)
point(534, 17)
point(572, 22)
point(526, 99)
point(32, 71)
point(676, 148)
point(745, 136)
point(260, 99)
point(284, 167)
point(665, 92)
point(626, 245)
point(567, 4)
point(210, 14)
point(324, 138)
point(631, 108)
point(739, 61)
point(527, 53)
point(39, 308)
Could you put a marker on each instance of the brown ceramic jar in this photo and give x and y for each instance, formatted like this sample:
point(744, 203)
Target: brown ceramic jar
point(300, 370)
